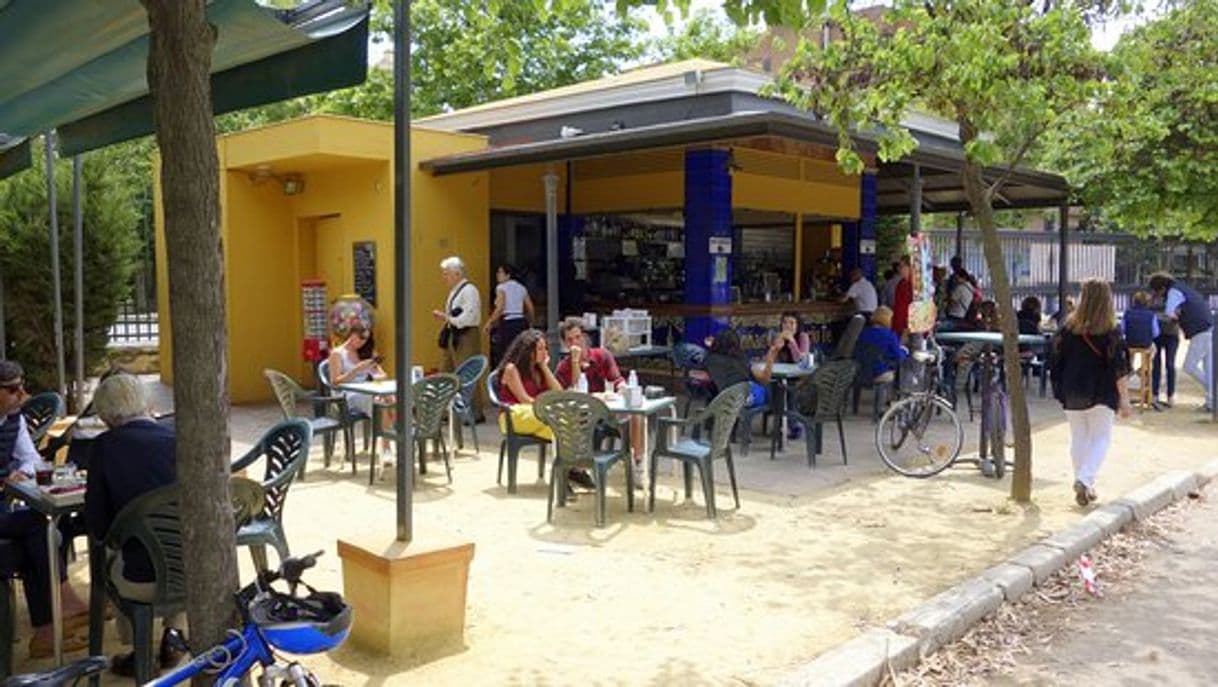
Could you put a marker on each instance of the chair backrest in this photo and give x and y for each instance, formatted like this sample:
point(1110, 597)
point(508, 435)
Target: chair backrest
point(284, 448)
point(849, 338)
point(573, 416)
point(286, 391)
point(469, 372)
point(688, 356)
point(833, 381)
point(492, 389)
point(41, 411)
point(723, 411)
point(867, 355)
point(432, 397)
point(964, 359)
point(323, 375)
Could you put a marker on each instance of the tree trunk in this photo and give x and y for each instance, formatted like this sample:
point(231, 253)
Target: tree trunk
point(179, 66)
point(983, 212)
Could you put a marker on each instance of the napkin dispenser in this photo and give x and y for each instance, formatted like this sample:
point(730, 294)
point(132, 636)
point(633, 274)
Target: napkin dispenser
point(653, 392)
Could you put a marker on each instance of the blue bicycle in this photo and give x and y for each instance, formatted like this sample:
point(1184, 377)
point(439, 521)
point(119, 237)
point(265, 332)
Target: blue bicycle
point(271, 621)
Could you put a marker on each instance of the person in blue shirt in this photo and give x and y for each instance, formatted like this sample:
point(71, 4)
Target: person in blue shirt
point(1191, 310)
point(1140, 325)
point(880, 345)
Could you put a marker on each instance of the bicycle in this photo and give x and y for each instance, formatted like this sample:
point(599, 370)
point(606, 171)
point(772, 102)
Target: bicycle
point(271, 621)
point(925, 416)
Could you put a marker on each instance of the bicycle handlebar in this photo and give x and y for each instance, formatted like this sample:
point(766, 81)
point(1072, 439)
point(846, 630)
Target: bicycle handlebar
point(291, 569)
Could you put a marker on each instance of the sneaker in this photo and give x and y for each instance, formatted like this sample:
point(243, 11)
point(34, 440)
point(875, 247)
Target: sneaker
point(640, 478)
point(1081, 496)
point(1092, 496)
point(1171, 401)
point(582, 479)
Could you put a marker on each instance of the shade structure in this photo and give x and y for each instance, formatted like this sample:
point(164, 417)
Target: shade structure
point(79, 66)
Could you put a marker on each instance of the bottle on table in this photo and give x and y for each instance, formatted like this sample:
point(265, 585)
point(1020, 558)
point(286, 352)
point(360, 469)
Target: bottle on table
point(581, 384)
point(633, 380)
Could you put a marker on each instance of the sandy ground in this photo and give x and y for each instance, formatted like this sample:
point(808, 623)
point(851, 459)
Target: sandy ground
point(809, 559)
point(1159, 630)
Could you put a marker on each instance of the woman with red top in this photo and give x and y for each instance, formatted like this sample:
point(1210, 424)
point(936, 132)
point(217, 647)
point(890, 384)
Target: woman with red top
point(524, 374)
point(903, 299)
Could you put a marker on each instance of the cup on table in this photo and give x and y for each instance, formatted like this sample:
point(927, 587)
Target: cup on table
point(416, 373)
point(634, 396)
point(44, 473)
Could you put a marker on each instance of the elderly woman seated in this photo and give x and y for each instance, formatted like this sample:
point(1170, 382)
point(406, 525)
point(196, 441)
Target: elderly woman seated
point(881, 346)
point(133, 458)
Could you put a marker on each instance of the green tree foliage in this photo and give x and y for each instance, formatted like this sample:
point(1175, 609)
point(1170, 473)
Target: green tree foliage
point(1146, 154)
point(704, 35)
point(1004, 72)
point(111, 246)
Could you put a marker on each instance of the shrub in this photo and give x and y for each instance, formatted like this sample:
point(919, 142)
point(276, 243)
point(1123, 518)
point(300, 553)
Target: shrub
point(110, 212)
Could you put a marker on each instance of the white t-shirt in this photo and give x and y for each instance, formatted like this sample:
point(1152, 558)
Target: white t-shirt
point(863, 294)
point(514, 294)
point(464, 296)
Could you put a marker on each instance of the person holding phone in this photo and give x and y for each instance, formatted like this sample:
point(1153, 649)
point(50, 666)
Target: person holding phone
point(356, 360)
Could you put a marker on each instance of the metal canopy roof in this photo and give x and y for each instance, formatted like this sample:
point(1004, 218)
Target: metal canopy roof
point(939, 166)
point(80, 66)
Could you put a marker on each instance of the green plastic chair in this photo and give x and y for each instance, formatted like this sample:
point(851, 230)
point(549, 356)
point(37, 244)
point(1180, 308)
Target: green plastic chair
point(513, 441)
point(574, 418)
point(432, 397)
point(821, 399)
point(285, 447)
point(328, 411)
point(721, 414)
point(153, 521)
point(470, 371)
point(41, 411)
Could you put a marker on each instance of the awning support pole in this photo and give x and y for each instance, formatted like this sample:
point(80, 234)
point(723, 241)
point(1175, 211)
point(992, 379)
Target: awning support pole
point(960, 235)
point(1063, 261)
point(56, 289)
point(78, 274)
point(915, 201)
point(551, 183)
point(401, 268)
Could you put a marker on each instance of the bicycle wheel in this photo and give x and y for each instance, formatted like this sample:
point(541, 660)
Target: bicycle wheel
point(919, 436)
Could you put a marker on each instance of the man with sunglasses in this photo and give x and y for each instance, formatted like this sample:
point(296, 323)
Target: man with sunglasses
point(27, 529)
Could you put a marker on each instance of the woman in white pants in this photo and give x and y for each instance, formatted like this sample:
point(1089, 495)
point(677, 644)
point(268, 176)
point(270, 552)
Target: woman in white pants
point(1090, 364)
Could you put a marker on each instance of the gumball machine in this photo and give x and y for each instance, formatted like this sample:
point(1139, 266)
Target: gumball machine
point(349, 310)
point(316, 344)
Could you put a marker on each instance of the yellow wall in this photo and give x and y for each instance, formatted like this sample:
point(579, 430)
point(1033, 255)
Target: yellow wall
point(272, 241)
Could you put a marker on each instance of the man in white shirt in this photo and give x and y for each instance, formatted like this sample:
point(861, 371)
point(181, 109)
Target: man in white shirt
point(862, 293)
point(461, 337)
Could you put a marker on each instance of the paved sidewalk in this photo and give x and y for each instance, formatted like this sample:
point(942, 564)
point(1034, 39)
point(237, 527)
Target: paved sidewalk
point(1162, 630)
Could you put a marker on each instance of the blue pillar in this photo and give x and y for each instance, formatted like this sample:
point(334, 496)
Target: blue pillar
point(708, 214)
point(868, 214)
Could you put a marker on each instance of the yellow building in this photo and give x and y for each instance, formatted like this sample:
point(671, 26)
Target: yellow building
point(684, 189)
point(294, 198)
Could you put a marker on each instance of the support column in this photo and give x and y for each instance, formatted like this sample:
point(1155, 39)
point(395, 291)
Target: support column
point(797, 281)
point(708, 215)
point(866, 227)
point(1063, 260)
point(960, 235)
point(56, 287)
point(78, 285)
point(915, 201)
point(550, 179)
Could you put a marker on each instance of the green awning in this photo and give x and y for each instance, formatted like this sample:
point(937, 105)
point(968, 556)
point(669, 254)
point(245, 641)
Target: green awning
point(79, 66)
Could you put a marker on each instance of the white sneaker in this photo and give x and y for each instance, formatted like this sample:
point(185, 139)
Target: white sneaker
point(640, 479)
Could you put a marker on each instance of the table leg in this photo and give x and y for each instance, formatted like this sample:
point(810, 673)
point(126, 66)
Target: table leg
point(452, 434)
point(56, 601)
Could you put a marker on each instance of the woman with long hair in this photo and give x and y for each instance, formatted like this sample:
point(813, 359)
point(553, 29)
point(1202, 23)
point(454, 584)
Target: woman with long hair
point(524, 374)
point(356, 360)
point(1090, 364)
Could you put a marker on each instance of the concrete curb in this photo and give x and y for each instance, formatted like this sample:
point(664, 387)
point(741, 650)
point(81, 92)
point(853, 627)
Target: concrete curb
point(866, 659)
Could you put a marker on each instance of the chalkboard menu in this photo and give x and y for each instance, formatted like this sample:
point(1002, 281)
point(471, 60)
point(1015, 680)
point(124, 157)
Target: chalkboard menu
point(364, 264)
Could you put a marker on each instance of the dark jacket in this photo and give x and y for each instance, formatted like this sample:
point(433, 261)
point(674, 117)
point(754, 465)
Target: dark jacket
point(127, 462)
point(1194, 312)
point(1086, 368)
point(1140, 327)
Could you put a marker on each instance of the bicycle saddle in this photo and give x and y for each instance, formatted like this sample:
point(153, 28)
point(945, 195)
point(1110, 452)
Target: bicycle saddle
point(58, 677)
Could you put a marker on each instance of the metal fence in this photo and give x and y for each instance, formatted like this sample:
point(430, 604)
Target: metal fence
point(134, 326)
point(1124, 261)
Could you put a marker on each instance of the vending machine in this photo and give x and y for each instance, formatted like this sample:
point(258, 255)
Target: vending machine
point(316, 344)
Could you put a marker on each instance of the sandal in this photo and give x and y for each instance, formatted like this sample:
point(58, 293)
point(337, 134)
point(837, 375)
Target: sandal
point(41, 646)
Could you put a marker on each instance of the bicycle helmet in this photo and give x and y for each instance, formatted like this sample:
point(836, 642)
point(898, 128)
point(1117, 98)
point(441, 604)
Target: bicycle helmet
point(310, 625)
